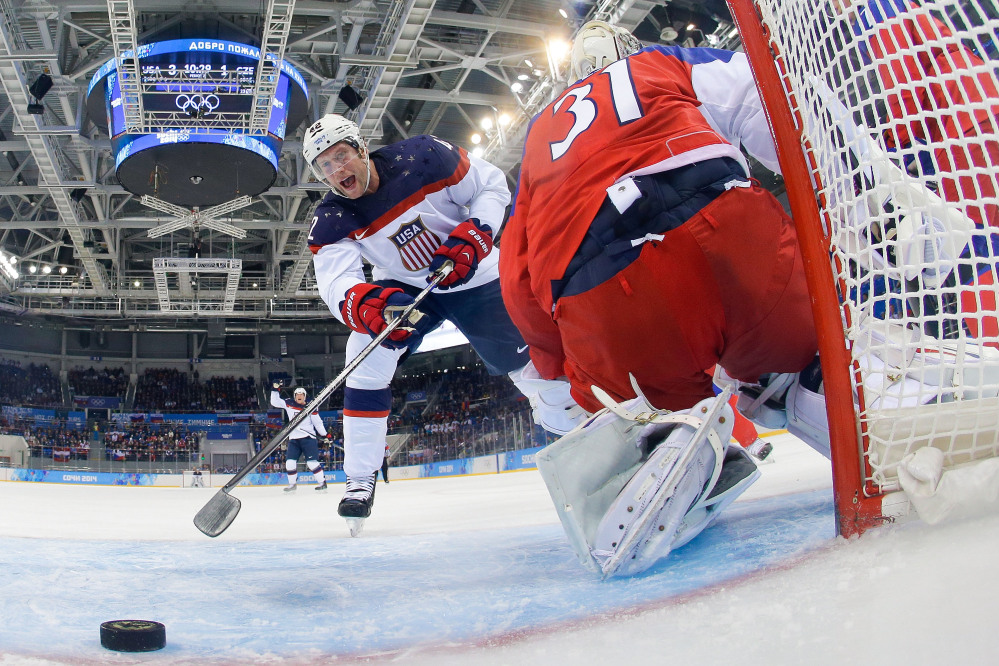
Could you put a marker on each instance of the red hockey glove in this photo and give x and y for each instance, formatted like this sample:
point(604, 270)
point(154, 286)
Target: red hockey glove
point(465, 246)
point(369, 307)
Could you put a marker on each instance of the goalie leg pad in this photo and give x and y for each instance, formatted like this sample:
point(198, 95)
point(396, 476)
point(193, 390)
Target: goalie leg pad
point(640, 526)
point(806, 418)
point(586, 469)
point(739, 471)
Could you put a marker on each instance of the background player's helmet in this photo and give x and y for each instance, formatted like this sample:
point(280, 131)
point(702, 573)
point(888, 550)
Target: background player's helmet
point(300, 390)
point(330, 130)
point(598, 44)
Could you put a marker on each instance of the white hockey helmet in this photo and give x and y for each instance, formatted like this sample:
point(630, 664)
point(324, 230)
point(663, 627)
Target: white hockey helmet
point(300, 390)
point(598, 44)
point(328, 131)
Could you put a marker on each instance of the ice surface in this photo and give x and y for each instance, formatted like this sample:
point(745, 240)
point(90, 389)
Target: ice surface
point(477, 570)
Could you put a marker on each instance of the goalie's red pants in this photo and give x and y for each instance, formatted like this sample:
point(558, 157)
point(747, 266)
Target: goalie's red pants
point(727, 287)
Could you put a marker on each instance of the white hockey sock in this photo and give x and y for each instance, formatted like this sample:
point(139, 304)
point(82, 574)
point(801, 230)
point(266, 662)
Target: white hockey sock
point(317, 470)
point(292, 468)
point(363, 444)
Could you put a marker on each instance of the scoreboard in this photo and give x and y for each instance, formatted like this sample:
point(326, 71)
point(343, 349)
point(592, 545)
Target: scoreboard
point(195, 92)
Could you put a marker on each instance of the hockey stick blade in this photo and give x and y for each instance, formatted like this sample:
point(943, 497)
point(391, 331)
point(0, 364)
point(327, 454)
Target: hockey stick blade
point(216, 516)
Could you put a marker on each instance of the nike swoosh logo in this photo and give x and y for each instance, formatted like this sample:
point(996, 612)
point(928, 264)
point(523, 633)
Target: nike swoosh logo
point(360, 236)
point(521, 350)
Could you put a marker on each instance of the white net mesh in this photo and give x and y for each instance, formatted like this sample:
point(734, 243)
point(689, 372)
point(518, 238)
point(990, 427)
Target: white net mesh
point(898, 105)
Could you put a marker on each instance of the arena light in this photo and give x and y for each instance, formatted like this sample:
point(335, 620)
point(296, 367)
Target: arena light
point(63, 270)
point(8, 269)
point(46, 269)
point(558, 49)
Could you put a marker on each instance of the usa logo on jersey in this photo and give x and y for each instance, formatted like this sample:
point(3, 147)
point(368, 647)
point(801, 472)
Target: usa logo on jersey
point(416, 244)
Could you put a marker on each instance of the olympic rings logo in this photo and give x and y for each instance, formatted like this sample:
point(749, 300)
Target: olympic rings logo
point(197, 104)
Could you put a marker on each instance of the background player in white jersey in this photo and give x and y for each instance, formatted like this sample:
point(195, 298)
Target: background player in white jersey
point(406, 209)
point(304, 440)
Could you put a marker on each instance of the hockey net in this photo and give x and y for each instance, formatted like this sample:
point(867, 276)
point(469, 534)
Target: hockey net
point(885, 115)
point(192, 480)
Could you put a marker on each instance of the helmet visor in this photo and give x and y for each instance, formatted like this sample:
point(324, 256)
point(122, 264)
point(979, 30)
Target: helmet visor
point(332, 160)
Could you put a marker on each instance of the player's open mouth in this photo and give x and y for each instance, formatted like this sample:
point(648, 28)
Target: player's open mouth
point(348, 182)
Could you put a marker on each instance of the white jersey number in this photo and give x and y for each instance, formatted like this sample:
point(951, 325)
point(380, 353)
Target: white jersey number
point(584, 110)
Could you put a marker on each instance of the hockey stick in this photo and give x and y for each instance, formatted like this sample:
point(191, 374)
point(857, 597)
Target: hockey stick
point(216, 516)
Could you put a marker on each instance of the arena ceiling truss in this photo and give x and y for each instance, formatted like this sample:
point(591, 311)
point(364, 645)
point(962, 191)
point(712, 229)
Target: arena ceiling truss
point(87, 226)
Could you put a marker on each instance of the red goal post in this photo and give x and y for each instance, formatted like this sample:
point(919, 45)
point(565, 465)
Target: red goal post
point(884, 114)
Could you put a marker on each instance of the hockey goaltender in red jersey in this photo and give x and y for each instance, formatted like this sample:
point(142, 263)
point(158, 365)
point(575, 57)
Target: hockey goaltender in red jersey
point(639, 246)
point(638, 243)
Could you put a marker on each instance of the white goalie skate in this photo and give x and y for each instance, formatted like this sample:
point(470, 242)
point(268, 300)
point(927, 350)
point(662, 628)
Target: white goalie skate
point(633, 483)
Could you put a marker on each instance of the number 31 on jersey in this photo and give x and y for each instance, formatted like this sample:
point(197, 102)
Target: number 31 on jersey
point(584, 109)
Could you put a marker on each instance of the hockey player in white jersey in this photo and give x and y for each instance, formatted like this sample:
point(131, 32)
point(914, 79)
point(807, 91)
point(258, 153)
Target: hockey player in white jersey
point(304, 440)
point(406, 209)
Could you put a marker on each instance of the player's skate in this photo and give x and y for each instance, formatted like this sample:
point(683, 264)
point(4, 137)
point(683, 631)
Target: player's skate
point(321, 488)
point(760, 449)
point(357, 502)
point(290, 489)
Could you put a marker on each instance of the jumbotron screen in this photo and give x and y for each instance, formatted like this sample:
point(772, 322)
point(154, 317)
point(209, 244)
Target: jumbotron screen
point(190, 85)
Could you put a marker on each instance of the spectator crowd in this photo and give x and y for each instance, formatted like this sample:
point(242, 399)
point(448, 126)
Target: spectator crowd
point(34, 385)
point(169, 442)
point(107, 382)
point(436, 415)
point(168, 389)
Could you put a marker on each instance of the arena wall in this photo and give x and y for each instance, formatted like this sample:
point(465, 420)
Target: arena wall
point(511, 461)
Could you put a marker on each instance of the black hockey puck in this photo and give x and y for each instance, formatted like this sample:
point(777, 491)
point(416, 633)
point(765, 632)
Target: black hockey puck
point(133, 635)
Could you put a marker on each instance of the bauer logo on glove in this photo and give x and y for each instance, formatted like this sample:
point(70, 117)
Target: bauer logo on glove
point(369, 308)
point(466, 246)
